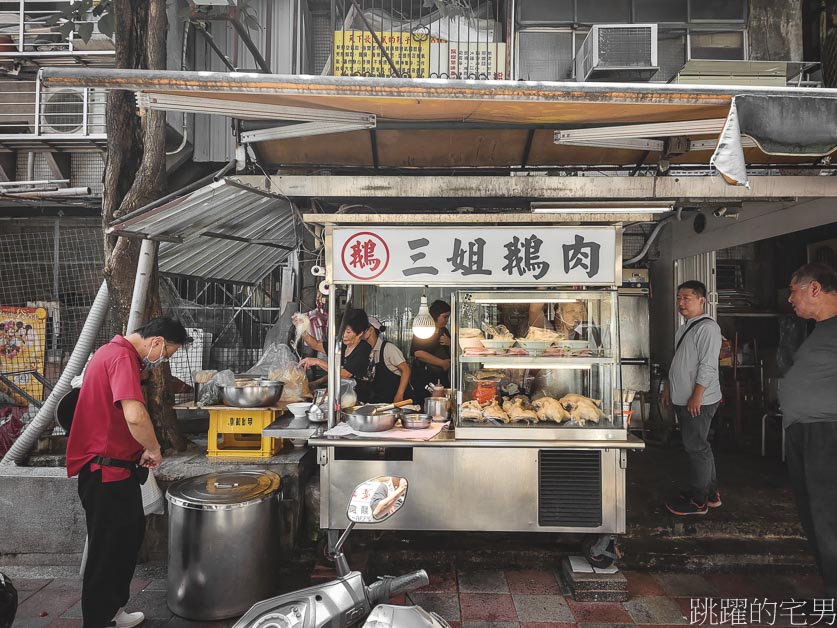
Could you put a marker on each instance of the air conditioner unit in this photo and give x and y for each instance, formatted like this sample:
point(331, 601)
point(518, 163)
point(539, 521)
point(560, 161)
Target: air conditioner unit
point(64, 111)
point(618, 52)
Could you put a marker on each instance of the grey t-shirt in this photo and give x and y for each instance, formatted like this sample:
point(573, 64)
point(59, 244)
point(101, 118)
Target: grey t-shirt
point(696, 362)
point(808, 392)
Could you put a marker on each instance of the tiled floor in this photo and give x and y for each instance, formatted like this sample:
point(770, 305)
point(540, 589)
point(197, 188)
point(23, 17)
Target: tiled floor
point(492, 598)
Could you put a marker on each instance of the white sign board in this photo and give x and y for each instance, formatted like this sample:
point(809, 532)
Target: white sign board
point(465, 255)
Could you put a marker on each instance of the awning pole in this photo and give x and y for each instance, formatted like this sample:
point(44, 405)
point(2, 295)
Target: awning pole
point(331, 358)
point(145, 266)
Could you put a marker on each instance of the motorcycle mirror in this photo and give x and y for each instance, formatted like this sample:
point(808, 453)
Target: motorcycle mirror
point(376, 500)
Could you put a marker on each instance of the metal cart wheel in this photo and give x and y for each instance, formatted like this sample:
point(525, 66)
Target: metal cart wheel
point(601, 551)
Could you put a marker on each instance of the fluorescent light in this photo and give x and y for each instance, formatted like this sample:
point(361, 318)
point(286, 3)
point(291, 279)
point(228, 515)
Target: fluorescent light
point(656, 129)
point(535, 365)
point(302, 129)
point(561, 208)
point(656, 146)
point(244, 110)
point(510, 300)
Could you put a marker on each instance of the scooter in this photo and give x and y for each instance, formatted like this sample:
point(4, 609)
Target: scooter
point(348, 600)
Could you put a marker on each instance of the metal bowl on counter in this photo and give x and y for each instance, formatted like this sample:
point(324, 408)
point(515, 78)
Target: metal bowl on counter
point(361, 419)
point(415, 421)
point(253, 393)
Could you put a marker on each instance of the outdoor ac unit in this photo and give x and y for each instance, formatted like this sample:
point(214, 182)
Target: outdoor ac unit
point(618, 52)
point(64, 111)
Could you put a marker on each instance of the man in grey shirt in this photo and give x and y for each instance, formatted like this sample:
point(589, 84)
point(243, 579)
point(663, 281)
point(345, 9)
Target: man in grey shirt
point(695, 391)
point(808, 398)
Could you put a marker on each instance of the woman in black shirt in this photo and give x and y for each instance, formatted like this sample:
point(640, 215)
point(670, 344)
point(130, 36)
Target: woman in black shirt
point(431, 356)
point(355, 351)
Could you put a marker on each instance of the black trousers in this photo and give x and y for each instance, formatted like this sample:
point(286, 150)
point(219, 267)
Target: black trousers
point(115, 528)
point(695, 433)
point(812, 464)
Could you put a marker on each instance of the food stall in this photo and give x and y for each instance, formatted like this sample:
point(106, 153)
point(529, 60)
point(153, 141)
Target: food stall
point(537, 440)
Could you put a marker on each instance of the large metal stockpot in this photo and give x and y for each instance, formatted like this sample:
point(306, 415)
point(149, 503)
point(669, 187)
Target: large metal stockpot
point(223, 543)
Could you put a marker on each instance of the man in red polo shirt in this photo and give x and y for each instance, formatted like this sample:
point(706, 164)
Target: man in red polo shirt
point(111, 441)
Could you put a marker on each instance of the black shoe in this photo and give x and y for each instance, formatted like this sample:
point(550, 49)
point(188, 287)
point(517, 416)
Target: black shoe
point(714, 500)
point(684, 507)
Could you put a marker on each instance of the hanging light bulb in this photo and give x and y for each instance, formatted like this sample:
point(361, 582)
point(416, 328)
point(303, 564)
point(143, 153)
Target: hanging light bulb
point(423, 324)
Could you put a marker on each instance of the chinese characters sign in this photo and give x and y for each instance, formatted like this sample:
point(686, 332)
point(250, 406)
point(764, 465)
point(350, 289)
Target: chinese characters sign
point(465, 60)
point(357, 54)
point(531, 255)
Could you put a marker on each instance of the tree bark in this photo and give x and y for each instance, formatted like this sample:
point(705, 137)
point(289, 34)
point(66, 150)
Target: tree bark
point(135, 176)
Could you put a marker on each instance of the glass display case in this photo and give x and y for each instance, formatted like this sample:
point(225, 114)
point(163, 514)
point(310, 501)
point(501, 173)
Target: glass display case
point(537, 365)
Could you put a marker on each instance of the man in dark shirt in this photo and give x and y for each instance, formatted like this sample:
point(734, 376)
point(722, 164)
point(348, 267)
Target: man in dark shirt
point(111, 435)
point(808, 398)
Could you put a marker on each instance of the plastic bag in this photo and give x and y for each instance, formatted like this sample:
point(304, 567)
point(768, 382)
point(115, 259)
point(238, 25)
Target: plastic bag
point(278, 363)
point(296, 383)
point(276, 356)
point(211, 393)
point(11, 427)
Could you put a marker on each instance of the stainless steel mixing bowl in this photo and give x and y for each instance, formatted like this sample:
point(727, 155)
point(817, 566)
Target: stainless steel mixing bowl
point(255, 394)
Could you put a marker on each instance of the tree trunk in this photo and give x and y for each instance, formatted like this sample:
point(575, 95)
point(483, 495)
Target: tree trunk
point(135, 176)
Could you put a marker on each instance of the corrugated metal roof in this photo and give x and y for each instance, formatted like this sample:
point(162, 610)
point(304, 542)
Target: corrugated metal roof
point(226, 231)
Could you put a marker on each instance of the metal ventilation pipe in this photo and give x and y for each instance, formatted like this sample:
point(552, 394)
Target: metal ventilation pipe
point(78, 359)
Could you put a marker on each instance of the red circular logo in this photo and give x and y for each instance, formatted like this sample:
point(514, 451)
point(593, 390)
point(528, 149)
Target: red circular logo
point(365, 255)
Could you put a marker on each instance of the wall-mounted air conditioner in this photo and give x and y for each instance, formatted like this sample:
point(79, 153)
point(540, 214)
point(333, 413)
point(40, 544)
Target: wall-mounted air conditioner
point(618, 52)
point(67, 110)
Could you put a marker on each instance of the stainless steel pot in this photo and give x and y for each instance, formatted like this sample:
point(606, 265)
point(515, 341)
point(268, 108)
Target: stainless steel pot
point(368, 422)
point(437, 407)
point(237, 511)
point(254, 394)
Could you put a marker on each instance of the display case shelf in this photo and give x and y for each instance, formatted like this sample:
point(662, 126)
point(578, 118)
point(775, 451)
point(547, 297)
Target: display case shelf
point(566, 397)
point(517, 361)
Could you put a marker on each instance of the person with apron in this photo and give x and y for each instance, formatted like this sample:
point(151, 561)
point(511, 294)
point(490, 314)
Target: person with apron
point(388, 379)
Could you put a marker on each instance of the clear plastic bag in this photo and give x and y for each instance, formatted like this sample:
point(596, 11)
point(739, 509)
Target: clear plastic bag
point(211, 393)
point(276, 356)
point(279, 363)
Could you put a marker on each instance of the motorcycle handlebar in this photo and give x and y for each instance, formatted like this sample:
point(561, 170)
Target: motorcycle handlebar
point(389, 586)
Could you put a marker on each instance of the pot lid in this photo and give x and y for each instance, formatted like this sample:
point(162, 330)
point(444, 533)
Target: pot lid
point(224, 490)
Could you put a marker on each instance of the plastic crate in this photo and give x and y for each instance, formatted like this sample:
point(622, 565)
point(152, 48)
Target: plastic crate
point(237, 432)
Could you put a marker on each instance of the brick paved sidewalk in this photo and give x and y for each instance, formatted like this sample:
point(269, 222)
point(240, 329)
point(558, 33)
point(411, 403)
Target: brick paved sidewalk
point(491, 598)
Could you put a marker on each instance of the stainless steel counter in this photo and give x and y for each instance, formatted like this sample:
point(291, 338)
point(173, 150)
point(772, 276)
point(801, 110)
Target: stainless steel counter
point(448, 439)
point(280, 428)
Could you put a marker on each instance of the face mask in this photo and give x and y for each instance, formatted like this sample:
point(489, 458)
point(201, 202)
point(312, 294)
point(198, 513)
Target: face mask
point(149, 365)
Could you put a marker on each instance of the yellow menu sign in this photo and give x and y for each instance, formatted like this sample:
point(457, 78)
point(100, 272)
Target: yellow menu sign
point(357, 54)
point(22, 348)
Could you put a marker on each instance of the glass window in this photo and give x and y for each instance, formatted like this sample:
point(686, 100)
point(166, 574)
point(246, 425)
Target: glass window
point(545, 55)
point(544, 12)
point(671, 55)
point(604, 11)
point(656, 11)
point(717, 10)
point(717, 45)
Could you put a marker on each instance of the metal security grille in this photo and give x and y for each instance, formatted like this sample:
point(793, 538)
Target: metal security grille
point(570, 488)
point(625, 47)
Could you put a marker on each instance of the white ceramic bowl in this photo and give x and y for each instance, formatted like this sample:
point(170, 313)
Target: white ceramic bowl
point(299, 408)
point(534, 347)
point(501, 345)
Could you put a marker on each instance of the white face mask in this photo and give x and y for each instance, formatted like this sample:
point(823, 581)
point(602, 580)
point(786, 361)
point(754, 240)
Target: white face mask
point(149, 365)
